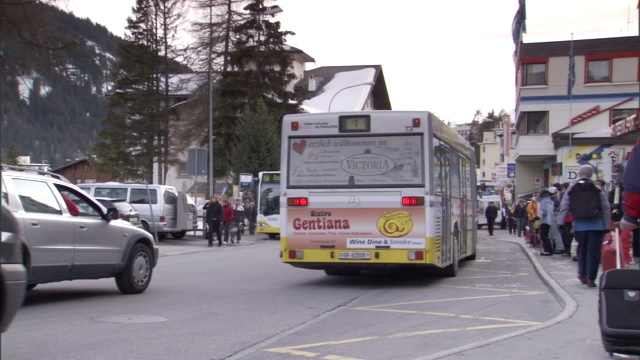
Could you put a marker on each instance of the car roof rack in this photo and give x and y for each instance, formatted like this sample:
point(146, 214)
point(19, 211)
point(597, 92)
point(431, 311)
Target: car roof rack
point(32, 170)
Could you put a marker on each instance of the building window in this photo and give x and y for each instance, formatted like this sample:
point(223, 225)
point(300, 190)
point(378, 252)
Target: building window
point(618, 115)
point(598, 71)
point(182, 169)
point(483, 162)
point(535, 74)
point(534, 122)
point(484, 149)
point(86, 167)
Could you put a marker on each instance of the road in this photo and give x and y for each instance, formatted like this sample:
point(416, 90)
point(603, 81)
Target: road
point(240, 302)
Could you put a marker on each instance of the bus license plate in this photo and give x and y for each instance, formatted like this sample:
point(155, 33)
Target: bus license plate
point(355, 255)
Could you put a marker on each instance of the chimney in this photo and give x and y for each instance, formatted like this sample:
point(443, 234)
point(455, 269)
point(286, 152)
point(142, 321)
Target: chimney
point(312, 83)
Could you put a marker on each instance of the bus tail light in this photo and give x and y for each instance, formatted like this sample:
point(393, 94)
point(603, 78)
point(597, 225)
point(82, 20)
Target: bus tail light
point(412, 200)
point(416, 122)
point(296, 254)
point(295, 125)
point(298, 201)
point(416, 255)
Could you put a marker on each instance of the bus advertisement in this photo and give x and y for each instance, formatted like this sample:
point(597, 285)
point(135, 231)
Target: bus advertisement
point(376, 189)
point(268, 204)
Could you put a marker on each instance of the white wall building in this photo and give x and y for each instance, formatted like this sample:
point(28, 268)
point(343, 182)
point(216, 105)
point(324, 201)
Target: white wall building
point(561, 127)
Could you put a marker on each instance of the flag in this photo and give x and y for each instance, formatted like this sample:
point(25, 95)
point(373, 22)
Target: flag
point(518, 25)
point(572, 72)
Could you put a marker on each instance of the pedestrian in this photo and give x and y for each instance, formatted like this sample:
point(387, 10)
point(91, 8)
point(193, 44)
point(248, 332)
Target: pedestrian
point(554, 231)
point(227, 218)
point(591, 220)
point(252, 216)
point(532, 216)
point(631, 203)
point(491, 213)
point(520, 215)
point(239, 217)
point(213, 218)
point(545, 213)
point(511, 220)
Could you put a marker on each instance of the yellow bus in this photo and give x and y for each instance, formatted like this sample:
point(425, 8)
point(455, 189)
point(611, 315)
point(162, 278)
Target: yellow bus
point(376, 189)
point(268, 204)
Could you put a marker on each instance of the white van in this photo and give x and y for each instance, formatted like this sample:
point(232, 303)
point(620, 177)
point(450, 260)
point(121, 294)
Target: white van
point(172, 213)
point(483, 202)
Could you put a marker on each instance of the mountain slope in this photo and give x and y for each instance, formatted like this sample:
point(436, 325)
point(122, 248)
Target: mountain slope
point(54, 81)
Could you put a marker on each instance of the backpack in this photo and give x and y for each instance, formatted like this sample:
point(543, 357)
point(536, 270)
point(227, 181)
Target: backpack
point(584, 200)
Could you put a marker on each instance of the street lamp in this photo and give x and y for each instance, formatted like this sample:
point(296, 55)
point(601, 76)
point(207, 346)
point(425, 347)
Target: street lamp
point(348, 87)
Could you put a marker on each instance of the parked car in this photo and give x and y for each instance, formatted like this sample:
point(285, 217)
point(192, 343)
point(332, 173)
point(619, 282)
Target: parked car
point(14, 274)
point(171, 212)
point(125, 210)
point(69, 235)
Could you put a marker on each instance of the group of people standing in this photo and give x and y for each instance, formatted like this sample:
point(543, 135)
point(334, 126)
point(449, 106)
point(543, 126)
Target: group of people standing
point(221, 216)
point(582, 210)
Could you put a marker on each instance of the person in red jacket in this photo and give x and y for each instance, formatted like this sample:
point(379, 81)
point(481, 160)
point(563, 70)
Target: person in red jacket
point(227, 218)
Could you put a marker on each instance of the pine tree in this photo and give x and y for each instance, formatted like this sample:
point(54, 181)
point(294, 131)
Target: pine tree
point(259, 72)
point(137, 128)
point(258, 147)
point(11, 157)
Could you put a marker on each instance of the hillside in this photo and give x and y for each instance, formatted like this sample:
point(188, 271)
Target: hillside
point(52, 92)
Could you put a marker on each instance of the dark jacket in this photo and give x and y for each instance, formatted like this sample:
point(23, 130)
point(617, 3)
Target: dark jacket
point(520, 212)
point(213, 211)
point(491, 212)
point(252, 213)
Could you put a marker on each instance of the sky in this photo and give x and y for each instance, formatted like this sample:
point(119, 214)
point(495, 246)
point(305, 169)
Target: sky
point(448, 57)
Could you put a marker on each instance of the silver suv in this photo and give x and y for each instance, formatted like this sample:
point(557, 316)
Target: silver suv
point(69, 235)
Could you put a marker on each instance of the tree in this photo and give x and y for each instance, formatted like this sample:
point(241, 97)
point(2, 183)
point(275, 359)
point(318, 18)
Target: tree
point(259, 72)
point(137, 128)
point(258, 147)
point(11, 157)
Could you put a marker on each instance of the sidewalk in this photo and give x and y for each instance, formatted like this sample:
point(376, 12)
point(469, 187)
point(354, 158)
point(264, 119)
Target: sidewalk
point(575, 332)
point(196, 242)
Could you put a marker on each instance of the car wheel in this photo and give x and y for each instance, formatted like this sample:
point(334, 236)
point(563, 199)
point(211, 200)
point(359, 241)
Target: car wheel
point(178, 234)
point(136, 276)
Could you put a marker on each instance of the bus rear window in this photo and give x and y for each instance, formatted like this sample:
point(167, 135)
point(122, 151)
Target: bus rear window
point(395, 160)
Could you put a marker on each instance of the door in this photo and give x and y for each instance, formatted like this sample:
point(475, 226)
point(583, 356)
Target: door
point(98, 243)
point(49, 229)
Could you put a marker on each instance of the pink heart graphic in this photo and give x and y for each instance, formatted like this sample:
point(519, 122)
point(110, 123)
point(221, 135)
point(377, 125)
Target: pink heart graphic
point(300, 146)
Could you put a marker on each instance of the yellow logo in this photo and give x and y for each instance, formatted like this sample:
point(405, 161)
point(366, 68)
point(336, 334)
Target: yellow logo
point(395, 224)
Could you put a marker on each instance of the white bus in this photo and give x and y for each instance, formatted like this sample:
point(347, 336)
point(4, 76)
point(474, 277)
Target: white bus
point(376, 189)
point(268, 203)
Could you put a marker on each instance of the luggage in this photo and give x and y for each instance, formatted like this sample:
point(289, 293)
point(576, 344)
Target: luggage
point(610, 257)
point(619, 306)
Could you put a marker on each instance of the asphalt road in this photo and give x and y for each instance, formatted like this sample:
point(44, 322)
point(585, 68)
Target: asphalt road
point(240, 302)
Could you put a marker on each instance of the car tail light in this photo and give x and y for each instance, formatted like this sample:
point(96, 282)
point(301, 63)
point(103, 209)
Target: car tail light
point(416, 255)
point(163, 218)
point(298, 201)
point(412, 200)
point(296, 254)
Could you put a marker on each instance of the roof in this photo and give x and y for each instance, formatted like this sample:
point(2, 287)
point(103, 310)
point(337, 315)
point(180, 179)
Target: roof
point(330, 80)
point(71, 164)
point(581, 47)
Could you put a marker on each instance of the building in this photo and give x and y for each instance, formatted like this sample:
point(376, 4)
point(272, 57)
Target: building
point(82, 171)
point(569, 96)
